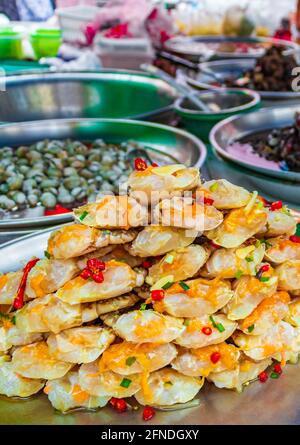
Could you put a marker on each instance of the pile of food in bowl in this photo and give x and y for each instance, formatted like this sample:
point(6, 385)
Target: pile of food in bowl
point(121, 308)
point(272, 72)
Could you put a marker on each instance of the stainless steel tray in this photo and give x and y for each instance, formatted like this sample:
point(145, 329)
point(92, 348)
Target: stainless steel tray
point(275, 402)
point(165, 145)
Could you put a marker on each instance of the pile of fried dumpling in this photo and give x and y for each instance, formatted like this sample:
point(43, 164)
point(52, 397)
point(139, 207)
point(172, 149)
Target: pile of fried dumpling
point(212, 296)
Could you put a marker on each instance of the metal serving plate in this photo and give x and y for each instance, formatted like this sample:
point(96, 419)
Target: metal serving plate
point(234, 128)
point(234, 68)
point(216, 406)
point(204, 47)
point(164, 145)
point(106, 94)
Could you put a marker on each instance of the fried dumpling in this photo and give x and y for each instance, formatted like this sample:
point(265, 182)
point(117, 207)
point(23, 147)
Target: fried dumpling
point(246, 371)
point(248, 293)
point(113, 212)
point(11, 335)
point(195, 333)
point(9, 284)
point(181, 264)
point(66, 394)
point(227, 263)
point(289, 275)
point(268, 313)
point(202, 361)
point(195, 298)
point(278, 339)
point(186, 213)
point(157, 240)
point(107, 383)
point(48, 275)
point(279, 223)
point(50, 314)
point(166, 180)
point(225, 195)
point(80, 345)
point(130, 358)
point(282, 249)
point(148, 327)
point(168, 387)
point(239, 225)
point(119, 279)
point(34, 361)
point(12, 384)
point(117, 303)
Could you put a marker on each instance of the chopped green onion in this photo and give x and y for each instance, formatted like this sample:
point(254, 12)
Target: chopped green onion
point(249, 259)
point(168, 383)
point(169, 259)
point(274, 375)
point(264, 279)
point(125, 383)
point(167, 285)
point(186, 322)
point(250, 329)
point(184, 285)
point(260, 205)
point(130, 361)
point(238, 274)
point(214, 187)
point(83, 215)
point(47, 254)
point(106, 232)
point(143, 307)
point(218, 326)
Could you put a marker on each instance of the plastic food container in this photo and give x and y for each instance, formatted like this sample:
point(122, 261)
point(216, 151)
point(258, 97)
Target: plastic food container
point(227, 103)
point(10, 44)
point(126, 53)
point(46, 42)
point(73, 21)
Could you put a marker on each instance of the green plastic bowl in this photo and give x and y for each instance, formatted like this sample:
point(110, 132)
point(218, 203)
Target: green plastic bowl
point(10, 44)
point(46, 42)
point(229, 101)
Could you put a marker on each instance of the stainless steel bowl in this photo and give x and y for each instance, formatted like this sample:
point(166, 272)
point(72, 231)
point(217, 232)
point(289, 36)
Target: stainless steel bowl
point(107, 94)
point(237, 127)
point(220, 70)
point(210, 47)
point(164, 144)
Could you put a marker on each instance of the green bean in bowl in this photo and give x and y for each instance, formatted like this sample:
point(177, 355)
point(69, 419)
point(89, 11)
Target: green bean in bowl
point(53, 176)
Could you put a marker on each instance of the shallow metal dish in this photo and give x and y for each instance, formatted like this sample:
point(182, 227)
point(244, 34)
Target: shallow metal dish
point(235, 128)
point(164, 144)
point(216, 406)
point(204, 47)
point(107, 94)
point(208, 72)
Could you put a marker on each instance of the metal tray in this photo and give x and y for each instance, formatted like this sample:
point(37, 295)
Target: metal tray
point(202, 47)
point(275, 402)
point(164, 144)
point(237, 127)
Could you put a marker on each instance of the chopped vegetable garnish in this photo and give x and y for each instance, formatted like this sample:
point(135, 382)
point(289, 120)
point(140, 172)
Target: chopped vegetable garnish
point(214, 187)
point(157, 295)
point(118, 404)
point(184, 285)
point(263, 376)
point(218, 326)
point(249, 259)
point(148, 413)
point(264, 279)
point(215, 357)
point(140, 164)
point(250, 329)
point(47, 254)
point(208, 201)
point(295, 239)
point(277, 205)
point(126, 383)
point(169, 259)
point(186, 322)
point(130, 361)
point(239, 274)
point(83, 215)
point(167, 285)
point(143, 307)
point(277, 368)
point(206, 330)
point(93, 269)
point(274, 375)
point(146, 264)
point(19, 300)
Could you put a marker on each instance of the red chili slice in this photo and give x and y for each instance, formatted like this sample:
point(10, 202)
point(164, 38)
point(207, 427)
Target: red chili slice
point(94, 263)
point(277, 368)
point(118, 404)
point(146, 264)
point(215, 357)
point(157, 295)
point(98, 277)
point(19, 300)
point(140, 164)
point(86, 273)
point(148, 413)
point(264, 268)
point(295, 239)
point(206, 330)
point(277, 205)
point(263, 377)
point(208, 201)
